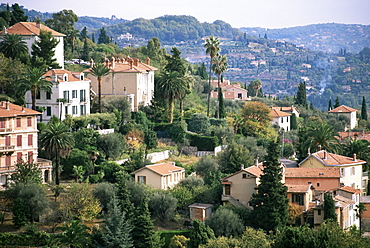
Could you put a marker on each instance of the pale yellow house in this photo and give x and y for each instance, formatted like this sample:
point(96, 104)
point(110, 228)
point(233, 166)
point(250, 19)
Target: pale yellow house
point(160, 176)
point(350, 168)
point(128, 77)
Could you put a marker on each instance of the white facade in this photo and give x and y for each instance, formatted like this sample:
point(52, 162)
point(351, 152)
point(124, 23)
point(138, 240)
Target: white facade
point(70, 95)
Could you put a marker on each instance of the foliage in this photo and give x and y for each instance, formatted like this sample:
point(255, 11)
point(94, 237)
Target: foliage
point(329, 207)
point(301, 97)
point(256, 119)
point(104, 192)
point(24, 239)
point(29, 202)
point(111, 145)
point(99, 71)
point(200, 124)
point(270, 205)
point(363, 109)
point(231, 159)
point(76, 157)
point(225, 222)
point(162, 205)
point(206, 165)
point(26, 173)
point(79, 203)
point(219, 66)
point(255, 88)
point(178, 241)
point(74, 234)
point(203, 143)
point(62, 21)
point(13, 46)
point(43, 51)
point(192, 182)
point(200, 234)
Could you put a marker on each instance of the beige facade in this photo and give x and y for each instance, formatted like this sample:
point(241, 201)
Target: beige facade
point(128, 77)
point(18, 141)
point(160, 176)
point(200, 211)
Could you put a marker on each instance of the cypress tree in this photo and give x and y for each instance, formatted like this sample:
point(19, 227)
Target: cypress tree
point(337, 103)
point(329, 207)
point(364, 109)
point(301, 97)
point(330, 105)
point(270, 204)
point(93, 37)
point(293, 122)
point(200, 234)
point(222, 110)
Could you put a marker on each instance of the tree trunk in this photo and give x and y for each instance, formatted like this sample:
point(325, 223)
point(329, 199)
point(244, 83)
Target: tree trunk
point(57, 165)
point(219, 91)
point(170, 109)
point(99, 94)
point(209, 86)
point(33, 95)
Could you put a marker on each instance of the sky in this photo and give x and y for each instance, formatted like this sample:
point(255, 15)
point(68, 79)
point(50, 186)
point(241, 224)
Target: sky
point(238, 13)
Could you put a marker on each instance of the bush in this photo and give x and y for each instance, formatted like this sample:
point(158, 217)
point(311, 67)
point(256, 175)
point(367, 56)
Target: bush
point(203, 143)
point(199, 123)
point(168, 235)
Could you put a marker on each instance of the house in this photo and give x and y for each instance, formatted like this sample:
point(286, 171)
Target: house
point(160, 176)
point(18, 141)
point(323, 179)
point(232, 91)
point(300, 195)
point(30, 32)
point(348, 112)
point(350, 168)
point(128, 77)
point(342, 136)
point(346, 200)
point(200, 211)
point(288, 110)
point(280, 119)
point(70, 95)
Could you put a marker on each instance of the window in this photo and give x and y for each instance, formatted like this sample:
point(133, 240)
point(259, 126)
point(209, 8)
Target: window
point(74, 93)
point(319, 212)
point(19, 140)
point(244, 175)
point(30, 140)
point(282, 120)
point(141, 179)
point(342, 172)
point(353, 171)
point(48, 95)
point(74, 110)
point(30, 157)
point(318, 184)
point(48, 111)
point(66, 95)
point(8, 160)
point(240, 95)
point(38, 95)
point(7, 140)
point(19, 157)
point(297, 198)
point(29, 121)
point(18, 122)
point(2, 123)
point(83, 109)
point(82, 95)
point(66, 110)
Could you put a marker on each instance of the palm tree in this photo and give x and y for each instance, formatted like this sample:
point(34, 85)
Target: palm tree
point(212, 46)
point(33, 81)
point(72, 34)
point(73, 235)
point(172, 85)
point(219, 66)
point(99, 71)
point(360, 209)
point(188, 81)
point(13, 46)
point(323, 135)
point(355, 146)
point(57, 142)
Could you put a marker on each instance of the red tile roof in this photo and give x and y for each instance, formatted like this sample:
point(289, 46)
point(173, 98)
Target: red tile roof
point(59, 73)
point(331, 159)
point(253, 170)
point(275, 113)
point(15, 110)
point(29, 28)
point(312, 173)
point(125, 66)
point(350, 190)
point(343, 201)
point(161, 169)
point(286, 109)
point(356, 135)
point(342, 109)
point(298, 188)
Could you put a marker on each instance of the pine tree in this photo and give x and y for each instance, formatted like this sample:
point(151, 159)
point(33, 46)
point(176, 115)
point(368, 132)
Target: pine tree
point(329, 207)
point(117, 230)
point(84, 34)
point(43, 50)
point(103, 37)
point(364, 109)
point(337, 103)
point(301, 97)
point(200, 234)
point(93, 37)
point(270, 205)
point(330, 105)
point(85, 51)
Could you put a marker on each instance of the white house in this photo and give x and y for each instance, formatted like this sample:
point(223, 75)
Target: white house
point(281, 119)
point(30, 32)
point(350, 113)
point(70, 95)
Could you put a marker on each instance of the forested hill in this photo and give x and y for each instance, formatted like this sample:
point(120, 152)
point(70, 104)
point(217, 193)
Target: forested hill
point(328, 37)
point(174, 28)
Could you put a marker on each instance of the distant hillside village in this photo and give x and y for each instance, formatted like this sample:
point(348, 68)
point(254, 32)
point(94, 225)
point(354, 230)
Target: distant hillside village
point(102, 146)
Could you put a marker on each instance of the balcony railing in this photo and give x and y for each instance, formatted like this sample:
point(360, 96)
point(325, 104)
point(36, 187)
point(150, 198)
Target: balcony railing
point(6, 130)
point(7, 148)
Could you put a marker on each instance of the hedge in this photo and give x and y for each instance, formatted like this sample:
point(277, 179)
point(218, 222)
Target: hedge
point(203, 143)
point(37, 239)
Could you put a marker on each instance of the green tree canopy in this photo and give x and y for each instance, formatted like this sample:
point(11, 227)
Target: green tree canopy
point(225, 222)
point(13, 46)
point(43, 51)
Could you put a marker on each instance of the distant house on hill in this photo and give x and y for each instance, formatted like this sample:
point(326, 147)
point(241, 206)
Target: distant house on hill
point(348, 112)
point(30, 32)
point(289, 110)
point(280, 118)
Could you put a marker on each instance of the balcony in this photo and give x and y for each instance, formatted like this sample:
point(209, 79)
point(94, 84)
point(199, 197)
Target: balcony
point(6, 130)
point(7, 148)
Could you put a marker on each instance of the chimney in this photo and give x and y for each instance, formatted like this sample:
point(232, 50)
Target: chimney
point(354, 157)
point(91, 62)
point(136, 62)
point(113, 62)
point(148, 61)
point(23, 109)
point(174, 163)
point(38, 24)
point(319, 147)
point(7, 105)
point(242, 166)
point(325, 155)
point(124, 91)
point(309, 151)
point(5, 30)
point(131, 65)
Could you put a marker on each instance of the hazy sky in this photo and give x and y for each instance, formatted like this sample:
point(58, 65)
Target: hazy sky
point(238, 13)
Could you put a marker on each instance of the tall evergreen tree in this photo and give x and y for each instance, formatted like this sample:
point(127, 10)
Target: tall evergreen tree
point(200, 234)
point(329, 207)
point(103, 37)
point(270, 205)
point(293, 122)
point(6, 15)
point(84, 34)
point(219, 66)
point(17, 15)
point(364, 109)
point(330, 105)
point(43, 51)
point(175, 63)
point(93, 37)
point(85, 51)
point(301, 97)
point(337, 103)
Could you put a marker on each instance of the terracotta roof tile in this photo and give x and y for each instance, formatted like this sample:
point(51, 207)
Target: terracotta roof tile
point(277, 113)
point(59, 73)
point(161, 169)
point(298, 188)
point(126, 67)
point(254, 170)
point(343, 201)
point(286, 109)
point(312, 173)
point(29, 28)
point(355, 135)
point(350, 190)
point(342, 109)
point(331, 159)
point(15, 110)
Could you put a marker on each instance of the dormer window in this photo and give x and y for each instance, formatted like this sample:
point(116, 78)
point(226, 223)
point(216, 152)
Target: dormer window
point(65, 77)
point(82, 76)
